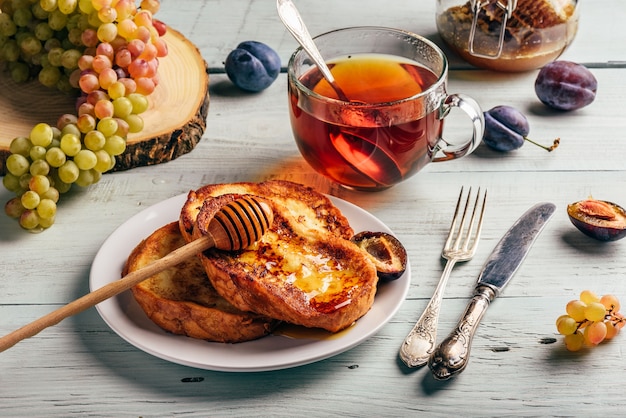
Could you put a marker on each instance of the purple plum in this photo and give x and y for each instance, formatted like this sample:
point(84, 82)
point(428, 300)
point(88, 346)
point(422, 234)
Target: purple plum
point(566, 85)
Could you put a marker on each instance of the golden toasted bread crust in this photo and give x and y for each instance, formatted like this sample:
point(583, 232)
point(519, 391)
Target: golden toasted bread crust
point(314, 210)
point(182, 300)
point(304, 270)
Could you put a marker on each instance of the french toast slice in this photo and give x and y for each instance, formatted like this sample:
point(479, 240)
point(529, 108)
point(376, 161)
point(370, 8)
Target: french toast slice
point(312, 209)
point(304, 270)
point(182, 300)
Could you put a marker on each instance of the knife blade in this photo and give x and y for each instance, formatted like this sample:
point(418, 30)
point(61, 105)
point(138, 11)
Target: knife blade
point(452, 355)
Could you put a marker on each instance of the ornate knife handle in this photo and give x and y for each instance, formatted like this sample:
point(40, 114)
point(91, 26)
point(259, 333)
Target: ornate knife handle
point(452, 355)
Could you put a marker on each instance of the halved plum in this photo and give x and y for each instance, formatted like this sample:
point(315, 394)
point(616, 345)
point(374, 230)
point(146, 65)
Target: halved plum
point(599, 219)
point(386, 251)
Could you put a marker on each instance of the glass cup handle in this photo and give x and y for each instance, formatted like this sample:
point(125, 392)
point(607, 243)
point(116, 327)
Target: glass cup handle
point(445, 151)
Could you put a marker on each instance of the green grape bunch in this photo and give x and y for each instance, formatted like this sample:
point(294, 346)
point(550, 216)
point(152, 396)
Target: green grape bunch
point(590, 320)
point(107, 53)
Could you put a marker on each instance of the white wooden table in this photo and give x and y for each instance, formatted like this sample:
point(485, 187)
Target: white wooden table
point(82, 368)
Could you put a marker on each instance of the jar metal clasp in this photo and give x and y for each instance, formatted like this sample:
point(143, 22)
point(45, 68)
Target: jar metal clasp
point(507, 6)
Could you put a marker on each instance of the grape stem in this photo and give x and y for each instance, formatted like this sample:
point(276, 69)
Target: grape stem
point(610, 317)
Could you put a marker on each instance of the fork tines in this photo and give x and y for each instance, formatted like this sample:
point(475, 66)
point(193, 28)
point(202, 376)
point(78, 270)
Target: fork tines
point(460, 235)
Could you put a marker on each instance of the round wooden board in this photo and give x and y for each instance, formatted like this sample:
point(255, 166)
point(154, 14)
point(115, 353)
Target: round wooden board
point(173, 124)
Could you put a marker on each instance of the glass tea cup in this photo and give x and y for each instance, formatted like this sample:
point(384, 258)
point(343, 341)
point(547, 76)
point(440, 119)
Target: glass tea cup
point(391, 124)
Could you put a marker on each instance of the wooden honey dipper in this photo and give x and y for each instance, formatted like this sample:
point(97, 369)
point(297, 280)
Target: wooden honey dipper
point(237, 225)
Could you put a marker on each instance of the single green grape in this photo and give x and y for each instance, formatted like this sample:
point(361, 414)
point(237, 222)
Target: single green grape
point(122, 107)
point(107, 126)
point(97, 176)
point(107, 32)
point(37, 152)
point(40, 167)
point(54, 56)
point(67, 6)
point(29, 219)
point(48, 5)
point(46, 208)
point(94, 140)
point(68, 172)
point(57, 20)
point(139, 101)
point(38, 11)
point(41, 134)
point(7, 25)
point(10, 51)
point(117, 90)
point(30, 199)
point(60, 186)
point(39, 184)
point(64, 85)
point(135, 123)
point(85, 159)
point(25, 180)
point(69, 59)
point(20, 145)
point(43, 31)
point(46, 222)
point(86, 6)
point(52, 194)
point(20, 72)
point(104, 161)
point(55, 157)
point(49, 76)
point(17, 164)
point(71, 144)
point(11, 183)
point(56, 137)
point(22, 17)
point(85, 178)
point(72, 129)
point(115, 145)
point(30, 45)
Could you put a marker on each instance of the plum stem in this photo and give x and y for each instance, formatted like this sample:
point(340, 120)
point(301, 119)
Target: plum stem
point(551, 148)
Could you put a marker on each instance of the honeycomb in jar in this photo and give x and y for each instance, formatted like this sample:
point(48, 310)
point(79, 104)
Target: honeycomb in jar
point(532, 13)
point(534, 26)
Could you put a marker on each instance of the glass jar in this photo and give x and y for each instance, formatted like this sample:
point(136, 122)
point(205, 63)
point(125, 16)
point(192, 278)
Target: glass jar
point(508, 35)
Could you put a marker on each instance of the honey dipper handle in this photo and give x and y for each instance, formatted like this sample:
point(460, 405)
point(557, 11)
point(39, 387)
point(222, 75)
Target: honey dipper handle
point(107, 291)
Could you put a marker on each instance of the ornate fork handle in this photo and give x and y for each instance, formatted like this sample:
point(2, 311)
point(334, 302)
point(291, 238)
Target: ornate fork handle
point(420, 342)
point(452, 355)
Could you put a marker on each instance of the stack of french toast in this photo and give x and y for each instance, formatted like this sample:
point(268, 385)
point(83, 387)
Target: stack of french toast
point(303, 271)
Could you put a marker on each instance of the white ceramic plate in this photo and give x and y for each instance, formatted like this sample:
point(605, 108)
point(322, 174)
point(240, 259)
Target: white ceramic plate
point(273, 352)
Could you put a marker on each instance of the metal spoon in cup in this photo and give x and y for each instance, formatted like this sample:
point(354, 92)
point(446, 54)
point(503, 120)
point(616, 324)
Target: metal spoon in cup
point(291, 18)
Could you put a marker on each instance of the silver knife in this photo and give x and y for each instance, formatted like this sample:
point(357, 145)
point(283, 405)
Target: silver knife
point(452, 355)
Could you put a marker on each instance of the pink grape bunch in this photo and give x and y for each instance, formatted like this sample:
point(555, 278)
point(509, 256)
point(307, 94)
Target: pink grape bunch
point(590, 320)
point(107, 52)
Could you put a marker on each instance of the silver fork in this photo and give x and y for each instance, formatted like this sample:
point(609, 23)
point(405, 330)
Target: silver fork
point(460, 246)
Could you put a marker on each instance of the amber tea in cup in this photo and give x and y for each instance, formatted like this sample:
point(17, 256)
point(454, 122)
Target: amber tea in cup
point(391, 124)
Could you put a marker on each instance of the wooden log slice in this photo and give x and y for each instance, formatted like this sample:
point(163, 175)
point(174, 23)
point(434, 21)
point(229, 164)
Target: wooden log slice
point(173, 124)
